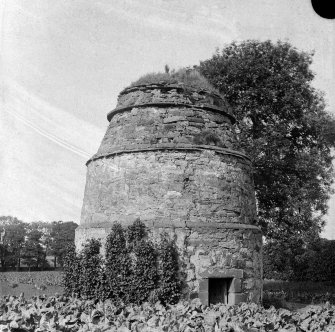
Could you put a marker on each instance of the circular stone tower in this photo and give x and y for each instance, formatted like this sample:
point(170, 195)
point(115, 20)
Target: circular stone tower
point(168, 157)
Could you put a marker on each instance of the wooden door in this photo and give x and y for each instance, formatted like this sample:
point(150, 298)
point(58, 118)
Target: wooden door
point(218, 290)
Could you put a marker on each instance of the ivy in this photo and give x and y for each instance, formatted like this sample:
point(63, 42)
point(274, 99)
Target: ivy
point(133, 271)
point(91, 270)
point(145, 270)
point(170, 283)
point(72, 271)
point(118, 265)
point(136, 232)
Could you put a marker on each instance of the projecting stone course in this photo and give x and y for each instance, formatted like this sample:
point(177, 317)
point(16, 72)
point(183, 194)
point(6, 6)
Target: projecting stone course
point(170, 158)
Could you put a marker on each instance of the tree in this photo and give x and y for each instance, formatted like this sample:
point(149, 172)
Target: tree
point(32, 251)
point(13, 233)
point(118, 265)
point(72, 272)
point(45, 240)
point(145, 271)
point(285, 129)
point(170, 285)
point(62, 234)
point(91, 268)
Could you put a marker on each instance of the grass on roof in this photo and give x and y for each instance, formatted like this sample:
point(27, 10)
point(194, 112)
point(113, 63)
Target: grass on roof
point(189, 77)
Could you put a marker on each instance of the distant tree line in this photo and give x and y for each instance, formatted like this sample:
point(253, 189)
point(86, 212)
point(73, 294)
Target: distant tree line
point(29, 244)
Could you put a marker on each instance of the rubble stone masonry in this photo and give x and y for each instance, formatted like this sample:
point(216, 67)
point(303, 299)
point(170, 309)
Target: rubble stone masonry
point(169, 158)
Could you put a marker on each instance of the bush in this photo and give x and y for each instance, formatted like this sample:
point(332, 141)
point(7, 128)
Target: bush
point(72, 271)
point(190, 77)
point(294, 260)
point(118, 265)
point(145, 275)
point(91, 270)
point(129, 273)
point(170, 284)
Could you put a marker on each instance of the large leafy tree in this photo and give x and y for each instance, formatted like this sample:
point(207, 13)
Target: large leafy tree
point(12, 238)
point(45, 240)
point(62, 235)
point(285, 129)
point(32, 251)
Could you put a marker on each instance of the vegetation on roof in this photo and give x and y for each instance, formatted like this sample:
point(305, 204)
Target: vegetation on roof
point(189, 77)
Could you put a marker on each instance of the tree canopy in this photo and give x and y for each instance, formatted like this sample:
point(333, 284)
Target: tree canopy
point(284, 127)
point(31, 243)
point(62, 234)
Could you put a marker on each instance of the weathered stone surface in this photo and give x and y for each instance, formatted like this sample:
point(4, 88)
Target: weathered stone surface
point(152, 125)
point(235, 298)
point(174, 166)
point(206, 188)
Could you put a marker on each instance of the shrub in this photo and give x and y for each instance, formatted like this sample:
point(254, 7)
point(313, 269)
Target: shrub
point(129, 273)
point(136, 232)
point(72, 271)
point(118, 265)
point(144, 268)
point(145, 276)
point(170, 283)
point(190, 77)
point(91, 268)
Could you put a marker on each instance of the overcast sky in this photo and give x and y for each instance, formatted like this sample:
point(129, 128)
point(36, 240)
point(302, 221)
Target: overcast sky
point(63, 63)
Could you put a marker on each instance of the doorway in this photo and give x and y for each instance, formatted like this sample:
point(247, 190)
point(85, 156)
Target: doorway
point(218, 290)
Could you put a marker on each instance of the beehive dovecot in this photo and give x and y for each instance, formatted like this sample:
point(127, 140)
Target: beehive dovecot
point(169, 157)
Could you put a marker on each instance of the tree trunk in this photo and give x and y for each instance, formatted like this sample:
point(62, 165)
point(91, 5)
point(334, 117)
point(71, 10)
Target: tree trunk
point(18, 264)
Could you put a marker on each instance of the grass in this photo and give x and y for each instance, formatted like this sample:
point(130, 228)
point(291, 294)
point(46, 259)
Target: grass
point(299, 286)
point(189, 77)
point(31, 283)
point(280, 293)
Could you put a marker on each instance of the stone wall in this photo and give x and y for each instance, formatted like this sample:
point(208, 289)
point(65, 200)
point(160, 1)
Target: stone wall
point(180, 186)
point(213, 250)
point(169, 157)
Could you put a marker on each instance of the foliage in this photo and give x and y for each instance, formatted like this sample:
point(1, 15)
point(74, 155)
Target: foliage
point(45, 240)
point(144, 268)
point(170, 284)
point(136, 232)
point(62, 235)
point(320, 261)
point(283, 127)
point(60, 313)
point(190, 77)
point(129, 273)
point(292, 259)
point(33, 242)
point(13, 233)
point(90, 270)
point(32, 251)
point(299, 292)
point(145, 274)
point(118, 265)
point(71, 272)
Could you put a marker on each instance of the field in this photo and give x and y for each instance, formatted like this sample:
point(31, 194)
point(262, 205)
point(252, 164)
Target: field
point(43, 308)
point(292, 295)
point(30, 283)
point(59, 313)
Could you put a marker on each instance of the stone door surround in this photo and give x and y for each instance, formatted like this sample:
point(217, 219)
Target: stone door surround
point(235, 294)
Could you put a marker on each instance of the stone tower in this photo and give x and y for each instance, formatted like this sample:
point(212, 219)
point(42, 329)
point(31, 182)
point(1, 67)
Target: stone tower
point(169, 158)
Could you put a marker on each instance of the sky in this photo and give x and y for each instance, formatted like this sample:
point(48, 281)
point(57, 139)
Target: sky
point(64, 62)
